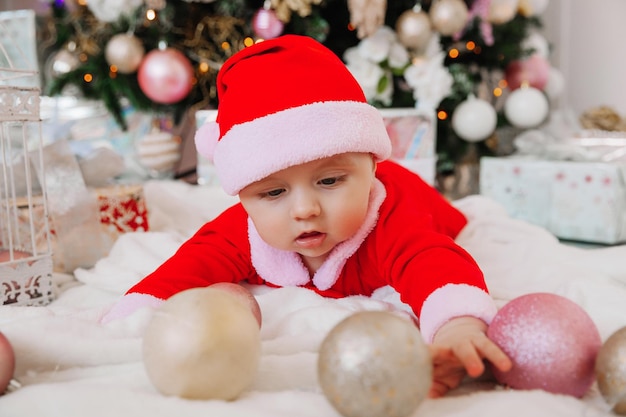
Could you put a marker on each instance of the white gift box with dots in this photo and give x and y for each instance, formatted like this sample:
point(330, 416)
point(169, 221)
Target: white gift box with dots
point(575, 200)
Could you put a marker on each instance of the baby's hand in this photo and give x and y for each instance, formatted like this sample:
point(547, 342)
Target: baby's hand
point(459, 347)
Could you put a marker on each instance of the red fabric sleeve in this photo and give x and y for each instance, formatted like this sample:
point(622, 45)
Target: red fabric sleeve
point(218, 252)
point(412, 247)
point(422, 196)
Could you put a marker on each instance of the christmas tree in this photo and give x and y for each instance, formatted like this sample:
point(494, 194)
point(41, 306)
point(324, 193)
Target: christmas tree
point(464, 59)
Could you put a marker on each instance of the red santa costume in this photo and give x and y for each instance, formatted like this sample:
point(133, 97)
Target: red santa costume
point(290, 101)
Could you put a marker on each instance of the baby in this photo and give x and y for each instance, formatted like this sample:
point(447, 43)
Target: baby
point(321, 208)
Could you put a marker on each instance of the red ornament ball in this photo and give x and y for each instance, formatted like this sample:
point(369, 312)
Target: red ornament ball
point(551, 341)
point(7, 363)
point(533, 71)
point(165, 76)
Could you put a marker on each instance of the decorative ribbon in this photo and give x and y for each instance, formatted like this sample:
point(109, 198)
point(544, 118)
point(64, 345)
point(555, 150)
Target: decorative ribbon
point(73, 209)
point(480, 8)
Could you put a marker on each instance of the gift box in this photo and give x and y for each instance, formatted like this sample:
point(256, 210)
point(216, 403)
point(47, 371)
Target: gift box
point(576, 200)
point(412, 134)
point(121, 209)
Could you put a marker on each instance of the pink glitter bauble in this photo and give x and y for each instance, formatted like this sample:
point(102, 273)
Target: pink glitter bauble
point(266, 24)
point(165, 76)
point(7, 362)
point(552, 342)
point(533, 71)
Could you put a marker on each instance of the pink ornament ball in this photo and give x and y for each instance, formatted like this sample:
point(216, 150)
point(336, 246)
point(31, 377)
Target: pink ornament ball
point(266, 24)
point(244, 295)
point(7, 363)
point(552, 342)
point(533, 71)
point(165, 76)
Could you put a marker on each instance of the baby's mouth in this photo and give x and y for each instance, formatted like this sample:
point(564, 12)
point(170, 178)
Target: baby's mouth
point(308, 235)
point(310, 239)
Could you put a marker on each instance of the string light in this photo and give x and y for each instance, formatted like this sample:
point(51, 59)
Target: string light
point(203, 67)
point(88, 78)
point(150, 14)
point(497, 92)
point(248, 41)
point(442, 115)
point(470, 45)
point(454, 53)
point(225, 46)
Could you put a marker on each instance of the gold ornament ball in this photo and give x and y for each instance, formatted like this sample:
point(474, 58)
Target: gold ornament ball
point(414, 29)
point(448, 16)
point(374, 364)
point(202, 343)
point(61, 63)
point(502, 11)
point(125, 51)
point(611, 371)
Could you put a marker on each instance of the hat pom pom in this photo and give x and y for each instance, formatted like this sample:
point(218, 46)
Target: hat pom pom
point(206, 139)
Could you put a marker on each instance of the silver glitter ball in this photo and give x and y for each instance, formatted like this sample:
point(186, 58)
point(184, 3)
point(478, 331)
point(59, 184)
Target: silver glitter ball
point(375, 364)
point(611, 371)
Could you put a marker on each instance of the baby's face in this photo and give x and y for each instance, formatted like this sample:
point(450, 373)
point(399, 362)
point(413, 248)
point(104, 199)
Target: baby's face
point(310, 208)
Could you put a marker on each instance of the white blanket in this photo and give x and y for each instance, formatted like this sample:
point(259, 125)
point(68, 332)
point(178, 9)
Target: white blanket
point(70, 365)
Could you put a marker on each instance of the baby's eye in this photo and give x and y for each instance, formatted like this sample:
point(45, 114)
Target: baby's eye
point(275, 193)
point(329, 181)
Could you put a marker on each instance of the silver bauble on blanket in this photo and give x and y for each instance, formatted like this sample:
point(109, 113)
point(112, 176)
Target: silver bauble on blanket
point(611, 371)
point(375, 364)
point(202, 343)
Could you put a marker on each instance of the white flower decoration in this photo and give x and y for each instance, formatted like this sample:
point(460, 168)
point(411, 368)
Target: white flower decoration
point(428, 77)
point(375, 60)
point(112, 10)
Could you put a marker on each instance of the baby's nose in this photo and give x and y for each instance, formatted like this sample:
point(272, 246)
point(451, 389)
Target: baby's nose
point(305, 205)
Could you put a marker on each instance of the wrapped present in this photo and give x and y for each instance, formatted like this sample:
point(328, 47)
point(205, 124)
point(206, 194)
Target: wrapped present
point(121, 209)
point(575, 200)
point(412, 133)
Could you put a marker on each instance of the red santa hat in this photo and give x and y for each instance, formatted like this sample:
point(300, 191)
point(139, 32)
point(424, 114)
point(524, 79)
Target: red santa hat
point(284, 102)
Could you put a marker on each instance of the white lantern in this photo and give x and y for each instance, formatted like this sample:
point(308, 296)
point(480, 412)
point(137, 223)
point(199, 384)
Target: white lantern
point(25, 249)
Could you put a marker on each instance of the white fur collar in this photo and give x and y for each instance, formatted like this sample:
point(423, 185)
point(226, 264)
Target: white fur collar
point(285, 268)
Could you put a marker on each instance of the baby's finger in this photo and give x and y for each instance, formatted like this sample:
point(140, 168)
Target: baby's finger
point(494, 354)
point(470, 358)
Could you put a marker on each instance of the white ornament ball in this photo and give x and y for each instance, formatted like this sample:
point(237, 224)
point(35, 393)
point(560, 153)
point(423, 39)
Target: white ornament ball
point(61, 63)
point(448, 16)
point(159, 151)
point(538, 43)
point(125, 51)
point(375, 364)
point(556, 84)
point(474, 119)
point(202, 343)
point(414, 29)
point(526, 107)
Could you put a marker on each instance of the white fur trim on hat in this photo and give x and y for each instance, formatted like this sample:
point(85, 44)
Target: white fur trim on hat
point(251, 151)
point(454, 300)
